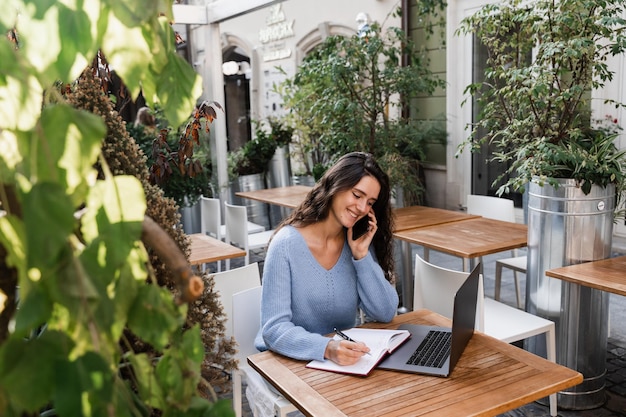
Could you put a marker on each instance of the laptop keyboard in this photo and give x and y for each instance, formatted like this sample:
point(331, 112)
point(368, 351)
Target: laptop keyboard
point(433, 351)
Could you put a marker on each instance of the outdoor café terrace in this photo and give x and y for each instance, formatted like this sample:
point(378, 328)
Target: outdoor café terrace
point(448, 253)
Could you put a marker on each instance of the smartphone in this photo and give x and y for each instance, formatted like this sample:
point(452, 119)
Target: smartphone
point(360, 227)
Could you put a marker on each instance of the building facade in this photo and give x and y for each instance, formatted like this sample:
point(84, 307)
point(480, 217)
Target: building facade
point(249, 49)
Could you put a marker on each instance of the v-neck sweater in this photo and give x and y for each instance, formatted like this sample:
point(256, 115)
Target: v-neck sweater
point(303, 301)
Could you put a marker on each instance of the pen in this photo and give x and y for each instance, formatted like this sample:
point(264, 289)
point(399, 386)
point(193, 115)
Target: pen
point(346, 337)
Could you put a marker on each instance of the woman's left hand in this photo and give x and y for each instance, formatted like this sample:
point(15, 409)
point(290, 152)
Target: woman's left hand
point(360, 246)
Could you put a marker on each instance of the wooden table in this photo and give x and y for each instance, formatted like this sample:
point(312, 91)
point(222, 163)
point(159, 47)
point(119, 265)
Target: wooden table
point(290, 196)
point(413, 217)
point(606, 275)
point(421, 216)
point(470, 238)
point(206, 249)
point(491, 377)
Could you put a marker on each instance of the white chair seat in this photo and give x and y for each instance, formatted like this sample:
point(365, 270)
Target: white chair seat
point(263, 400)
point(252, 228)
point(499, 316)
point(259, 240)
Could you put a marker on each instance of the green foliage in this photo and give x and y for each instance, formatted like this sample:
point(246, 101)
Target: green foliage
point(347, 96)
point(280, 131)
point(544, 59)
point(70, 240)
point(255, 155)
point(183, 180)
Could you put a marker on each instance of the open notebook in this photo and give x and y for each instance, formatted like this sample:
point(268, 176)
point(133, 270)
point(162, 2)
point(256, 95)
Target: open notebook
point(381, 343)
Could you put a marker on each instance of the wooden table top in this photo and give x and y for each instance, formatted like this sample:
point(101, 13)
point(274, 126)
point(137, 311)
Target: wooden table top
point(290, 196)
point(206, 249)
point(606, 274)
point(421, 216)
point(491, 377)
point(468, 238)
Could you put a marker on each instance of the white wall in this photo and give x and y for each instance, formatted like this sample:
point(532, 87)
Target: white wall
point(308, 23)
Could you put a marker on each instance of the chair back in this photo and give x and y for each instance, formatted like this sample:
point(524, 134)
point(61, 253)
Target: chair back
point(236, 220)
point(229, 282)
point(491, 207)
point(435, 287)
point(210, 217)
point(246, 321)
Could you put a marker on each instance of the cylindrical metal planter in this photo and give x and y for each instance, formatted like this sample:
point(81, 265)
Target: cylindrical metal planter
point(303, 180)
point(190, 217)
point(279, 175)
point(279, 170)
point(567, 227)
point(257, 211)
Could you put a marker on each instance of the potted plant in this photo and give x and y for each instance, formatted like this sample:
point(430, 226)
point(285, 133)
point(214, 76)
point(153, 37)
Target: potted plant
point(254, 156)
point(349, 95)
point(545, 58)
point(279, 169)
point(179, 163)
point(248, 167)
point(310, 154)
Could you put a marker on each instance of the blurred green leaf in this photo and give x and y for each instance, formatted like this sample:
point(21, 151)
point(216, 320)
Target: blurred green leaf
point(147, 384)
point(154, 317)
point(84, 386)
point(174, 83)
point(176, 371)
point(128, 58)
point(50, 221)
point(35, 309)
point(114, 217)
point(27, 368)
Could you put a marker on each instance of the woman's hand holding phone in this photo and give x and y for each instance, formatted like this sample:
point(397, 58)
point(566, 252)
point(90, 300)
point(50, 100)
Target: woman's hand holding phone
point(360, 235)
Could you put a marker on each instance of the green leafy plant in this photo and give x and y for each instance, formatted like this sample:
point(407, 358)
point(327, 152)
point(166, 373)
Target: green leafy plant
point(72, 238)
point(544, 59)
point(254, 156)
point(347, 96)
point(178, 160)
point(280, 131)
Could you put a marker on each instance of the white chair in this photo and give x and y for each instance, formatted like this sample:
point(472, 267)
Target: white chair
point(246, 317)
point(212, 212)
point(211, 221)
point(435, 288)
point(235, 217)
point(227, 283)
point(499, 209)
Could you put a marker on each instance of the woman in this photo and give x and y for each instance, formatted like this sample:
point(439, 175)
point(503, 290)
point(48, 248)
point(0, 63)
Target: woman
point(318, 271)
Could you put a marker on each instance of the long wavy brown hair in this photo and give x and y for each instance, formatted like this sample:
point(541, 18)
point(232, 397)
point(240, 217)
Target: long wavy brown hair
point(344, 175)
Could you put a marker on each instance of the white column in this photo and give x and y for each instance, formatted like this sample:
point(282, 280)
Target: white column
point(214, 46)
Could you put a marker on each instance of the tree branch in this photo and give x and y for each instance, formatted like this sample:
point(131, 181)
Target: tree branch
point(189, 284)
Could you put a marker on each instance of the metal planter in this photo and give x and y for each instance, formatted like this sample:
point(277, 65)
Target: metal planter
point(257, 211)
point(567, 227)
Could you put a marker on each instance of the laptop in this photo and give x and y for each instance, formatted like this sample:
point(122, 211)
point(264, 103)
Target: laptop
point(435, 350)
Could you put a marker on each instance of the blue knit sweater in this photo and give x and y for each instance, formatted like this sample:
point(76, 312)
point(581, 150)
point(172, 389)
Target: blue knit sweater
point(302, 301)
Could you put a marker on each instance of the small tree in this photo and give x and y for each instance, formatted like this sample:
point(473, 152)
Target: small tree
point(348, 95)
point(545, 58)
